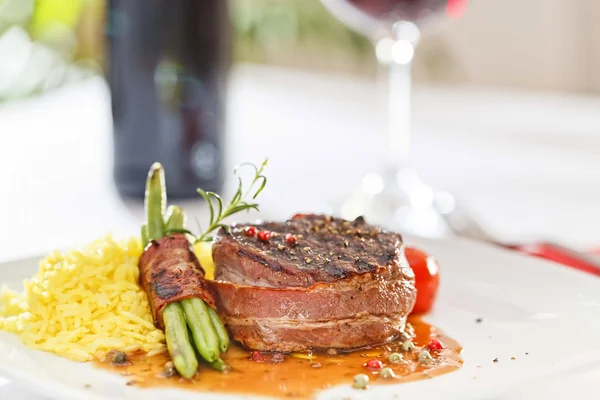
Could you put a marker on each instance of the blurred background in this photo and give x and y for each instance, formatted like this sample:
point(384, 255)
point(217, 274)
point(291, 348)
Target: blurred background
point(504, 113)
point(543, 45)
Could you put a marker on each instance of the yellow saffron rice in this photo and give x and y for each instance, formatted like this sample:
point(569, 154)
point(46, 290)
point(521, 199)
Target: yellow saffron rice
point(83, 303)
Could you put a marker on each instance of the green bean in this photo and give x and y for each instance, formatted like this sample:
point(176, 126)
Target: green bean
point(178, 341)
point(203, 332)
point(220, 365)
point(156, 199)
point(175, 218)
point(145, 236)
point(208, 332)
point(222, 333)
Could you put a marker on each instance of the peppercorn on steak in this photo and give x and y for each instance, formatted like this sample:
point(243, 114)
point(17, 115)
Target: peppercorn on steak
point(312, 282)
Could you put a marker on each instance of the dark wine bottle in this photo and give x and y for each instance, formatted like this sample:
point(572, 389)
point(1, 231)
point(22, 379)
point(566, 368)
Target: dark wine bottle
point(167, 68)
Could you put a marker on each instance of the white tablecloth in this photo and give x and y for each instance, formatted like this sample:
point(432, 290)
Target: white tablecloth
point(526, 164)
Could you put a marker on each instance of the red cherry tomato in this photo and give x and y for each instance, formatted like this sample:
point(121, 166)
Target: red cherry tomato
point(427, 278)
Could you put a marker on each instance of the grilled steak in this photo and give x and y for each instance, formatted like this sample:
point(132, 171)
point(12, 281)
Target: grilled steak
point(170, 272)
point(318, 282)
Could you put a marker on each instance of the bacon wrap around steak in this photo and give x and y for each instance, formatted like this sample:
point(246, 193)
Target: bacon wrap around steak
point(170, 272)
point(317, 282)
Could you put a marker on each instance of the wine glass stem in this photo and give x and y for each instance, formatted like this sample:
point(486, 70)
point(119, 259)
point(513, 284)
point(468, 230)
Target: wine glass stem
point(399, 110)
point(395, 55)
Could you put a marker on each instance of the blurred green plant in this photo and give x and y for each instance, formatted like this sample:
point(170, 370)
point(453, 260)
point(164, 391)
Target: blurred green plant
point(53, 23)
point(296, 32)
point(37, 45)
point(47, 43)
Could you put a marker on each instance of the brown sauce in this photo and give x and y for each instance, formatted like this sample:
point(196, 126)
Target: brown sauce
point(298, 375)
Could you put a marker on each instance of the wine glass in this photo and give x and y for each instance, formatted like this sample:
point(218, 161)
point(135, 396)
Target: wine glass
point(396, 197)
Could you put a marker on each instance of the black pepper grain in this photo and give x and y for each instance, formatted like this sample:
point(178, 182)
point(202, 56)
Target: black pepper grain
point(118, 358)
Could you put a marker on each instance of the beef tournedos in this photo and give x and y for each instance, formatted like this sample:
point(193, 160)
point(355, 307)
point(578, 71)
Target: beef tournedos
point(312, 282)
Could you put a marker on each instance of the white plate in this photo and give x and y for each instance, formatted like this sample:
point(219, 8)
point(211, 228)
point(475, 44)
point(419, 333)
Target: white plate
point(545, 315)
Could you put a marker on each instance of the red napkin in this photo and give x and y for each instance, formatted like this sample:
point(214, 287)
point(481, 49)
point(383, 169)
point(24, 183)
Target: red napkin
point(583, 262)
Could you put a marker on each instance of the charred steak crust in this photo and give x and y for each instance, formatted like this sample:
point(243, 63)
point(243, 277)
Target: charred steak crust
point(170, 272)
point(327, 249)
point(344, 284)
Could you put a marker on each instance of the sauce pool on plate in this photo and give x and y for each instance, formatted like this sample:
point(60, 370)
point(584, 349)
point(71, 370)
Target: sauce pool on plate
point(302, 375)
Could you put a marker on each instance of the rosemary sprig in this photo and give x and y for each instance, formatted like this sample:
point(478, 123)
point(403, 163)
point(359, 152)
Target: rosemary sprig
point(237, 203)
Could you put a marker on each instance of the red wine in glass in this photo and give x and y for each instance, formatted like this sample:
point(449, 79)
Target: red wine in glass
point(416, 11)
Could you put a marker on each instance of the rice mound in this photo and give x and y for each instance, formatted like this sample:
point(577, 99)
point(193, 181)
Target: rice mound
point(83, 303)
